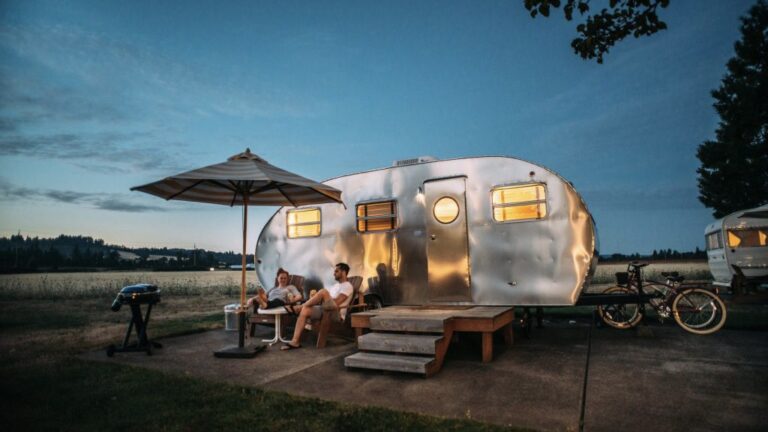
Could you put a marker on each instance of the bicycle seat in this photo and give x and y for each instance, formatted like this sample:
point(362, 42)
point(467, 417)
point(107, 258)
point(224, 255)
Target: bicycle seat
point(638, 264)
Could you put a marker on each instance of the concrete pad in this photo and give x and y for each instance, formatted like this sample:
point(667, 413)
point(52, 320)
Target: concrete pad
point(193, 355)
point(534, 384)
point(660, 379)
point(678, 381)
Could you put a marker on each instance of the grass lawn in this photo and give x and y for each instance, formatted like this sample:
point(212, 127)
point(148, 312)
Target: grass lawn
point(85, 396)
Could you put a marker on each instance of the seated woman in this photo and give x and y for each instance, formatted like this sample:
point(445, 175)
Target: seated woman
point(281, 294)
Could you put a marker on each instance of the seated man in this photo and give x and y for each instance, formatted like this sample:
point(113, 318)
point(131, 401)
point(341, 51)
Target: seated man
point(330, 298)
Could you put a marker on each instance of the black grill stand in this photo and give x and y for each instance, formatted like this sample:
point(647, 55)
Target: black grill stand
point(143, 343)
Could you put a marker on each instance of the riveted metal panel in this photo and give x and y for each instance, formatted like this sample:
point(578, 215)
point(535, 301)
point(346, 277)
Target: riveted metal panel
point(533, 262)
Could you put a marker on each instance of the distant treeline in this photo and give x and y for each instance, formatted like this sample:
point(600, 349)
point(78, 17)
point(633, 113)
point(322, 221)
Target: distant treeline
point(78, 253)
point(657, 255)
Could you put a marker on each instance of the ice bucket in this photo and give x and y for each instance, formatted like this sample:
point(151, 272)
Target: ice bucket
point(230, 316)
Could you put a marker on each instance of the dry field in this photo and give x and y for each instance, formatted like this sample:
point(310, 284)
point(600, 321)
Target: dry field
point(605, 275)
point(107, 284)
point(53, 314)
point(227, 283)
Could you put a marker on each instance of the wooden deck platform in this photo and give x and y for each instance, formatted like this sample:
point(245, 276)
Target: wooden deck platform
point(440, 319)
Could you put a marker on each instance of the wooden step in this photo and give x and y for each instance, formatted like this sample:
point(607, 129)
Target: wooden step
point(389, 362)
point(399, 343)
point(413, 324)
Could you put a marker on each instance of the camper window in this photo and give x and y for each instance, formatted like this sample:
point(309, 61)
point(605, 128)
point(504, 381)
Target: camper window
point(714, 241)
point(520, 202)
point(376, 216)
point(754, 237)
point(303, 223)
point(446, 210)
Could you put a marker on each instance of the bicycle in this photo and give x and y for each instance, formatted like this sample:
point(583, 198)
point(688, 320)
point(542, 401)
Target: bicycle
point(694, 308)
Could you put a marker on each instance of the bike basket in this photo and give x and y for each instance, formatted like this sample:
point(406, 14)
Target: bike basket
point(622, 278)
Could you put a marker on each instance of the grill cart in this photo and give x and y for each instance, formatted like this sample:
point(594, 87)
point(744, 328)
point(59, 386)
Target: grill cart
point(135, 296)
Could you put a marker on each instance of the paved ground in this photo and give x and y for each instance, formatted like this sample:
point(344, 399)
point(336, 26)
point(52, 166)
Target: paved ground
point(660, 378)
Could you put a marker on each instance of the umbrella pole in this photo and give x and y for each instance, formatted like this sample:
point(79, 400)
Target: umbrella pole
point(241, 313)
point(240, 351)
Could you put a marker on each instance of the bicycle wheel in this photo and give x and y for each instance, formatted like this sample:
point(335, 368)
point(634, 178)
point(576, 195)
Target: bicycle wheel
point(620, 316)
point(699, 311)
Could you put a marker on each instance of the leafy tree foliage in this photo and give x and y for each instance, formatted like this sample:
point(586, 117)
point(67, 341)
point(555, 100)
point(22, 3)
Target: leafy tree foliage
point(734, 167)
point(602, 30)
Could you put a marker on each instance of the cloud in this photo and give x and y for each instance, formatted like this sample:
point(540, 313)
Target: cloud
point(104, 152)
point(25, 100)
point(101, 201)
point(118, 69)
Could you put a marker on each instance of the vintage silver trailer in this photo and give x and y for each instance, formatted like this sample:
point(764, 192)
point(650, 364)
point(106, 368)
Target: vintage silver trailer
point(737, 248)
point(476, 231)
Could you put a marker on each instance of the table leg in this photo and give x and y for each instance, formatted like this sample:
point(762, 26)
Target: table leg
point(277, 332)
point(279, 329)
point(487, 347)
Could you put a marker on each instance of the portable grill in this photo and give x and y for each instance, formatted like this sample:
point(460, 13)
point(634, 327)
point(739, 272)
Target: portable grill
point(135, 296)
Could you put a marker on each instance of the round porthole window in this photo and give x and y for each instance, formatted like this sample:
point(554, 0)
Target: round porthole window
point(446, 210)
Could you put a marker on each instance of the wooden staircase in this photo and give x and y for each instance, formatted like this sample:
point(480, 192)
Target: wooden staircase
point(412, 344)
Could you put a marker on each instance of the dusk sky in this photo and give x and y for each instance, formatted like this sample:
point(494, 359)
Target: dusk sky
point(100, 96)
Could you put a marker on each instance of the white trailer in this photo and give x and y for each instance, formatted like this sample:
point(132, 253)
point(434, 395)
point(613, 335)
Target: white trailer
point(737, 248)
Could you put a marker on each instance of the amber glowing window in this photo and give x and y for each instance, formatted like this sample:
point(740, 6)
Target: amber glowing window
point(303, 223)
point(755, 237)
point(714, 241)
point(378, 216)
point(521, 202)
point(446, 210)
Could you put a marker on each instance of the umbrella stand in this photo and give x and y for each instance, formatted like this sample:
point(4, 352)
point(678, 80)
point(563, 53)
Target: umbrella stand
point(240, 350)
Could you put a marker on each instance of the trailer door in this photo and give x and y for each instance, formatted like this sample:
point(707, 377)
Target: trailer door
point(447, 251)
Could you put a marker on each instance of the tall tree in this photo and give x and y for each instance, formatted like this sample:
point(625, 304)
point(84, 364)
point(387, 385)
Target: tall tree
point(734, 167)
point(602, 30)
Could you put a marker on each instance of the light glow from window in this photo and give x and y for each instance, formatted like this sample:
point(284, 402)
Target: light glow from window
point(378, 216)
point(520, 202)
point(753, 237)
point(446, 210)
point(303, 223)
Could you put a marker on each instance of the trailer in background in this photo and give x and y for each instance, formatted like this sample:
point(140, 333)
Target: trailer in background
point(737, 249)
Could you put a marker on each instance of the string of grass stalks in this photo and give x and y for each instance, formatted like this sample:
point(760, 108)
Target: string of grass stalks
point(107, 284)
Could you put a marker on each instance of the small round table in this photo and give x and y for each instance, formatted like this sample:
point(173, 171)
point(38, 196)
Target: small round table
point(277, 312)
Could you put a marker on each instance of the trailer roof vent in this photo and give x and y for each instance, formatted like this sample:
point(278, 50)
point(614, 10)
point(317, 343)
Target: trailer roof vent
point(413, 161)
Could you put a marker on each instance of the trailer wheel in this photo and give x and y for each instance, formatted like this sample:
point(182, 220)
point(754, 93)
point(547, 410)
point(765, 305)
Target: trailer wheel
point(620, 316)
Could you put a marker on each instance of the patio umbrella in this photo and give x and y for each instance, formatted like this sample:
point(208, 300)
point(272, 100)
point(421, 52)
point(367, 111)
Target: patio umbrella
point(244, 179)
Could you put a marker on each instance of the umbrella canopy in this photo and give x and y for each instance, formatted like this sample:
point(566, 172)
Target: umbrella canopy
point(244, 179)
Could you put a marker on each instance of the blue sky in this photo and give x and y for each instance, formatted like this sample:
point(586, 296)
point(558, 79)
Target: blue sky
point(99, 96)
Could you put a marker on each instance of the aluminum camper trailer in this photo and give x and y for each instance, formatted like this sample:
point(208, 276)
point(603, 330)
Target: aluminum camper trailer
point(737, 248)
point(470, 231)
